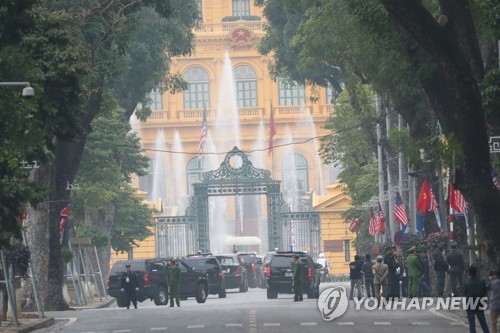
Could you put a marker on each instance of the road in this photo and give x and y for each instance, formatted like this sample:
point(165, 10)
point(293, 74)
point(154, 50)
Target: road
point(249, 312)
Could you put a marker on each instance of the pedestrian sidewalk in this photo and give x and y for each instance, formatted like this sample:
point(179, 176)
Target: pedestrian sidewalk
point(30, 321)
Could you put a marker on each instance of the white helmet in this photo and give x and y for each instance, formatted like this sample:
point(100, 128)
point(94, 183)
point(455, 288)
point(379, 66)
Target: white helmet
point(321, 255)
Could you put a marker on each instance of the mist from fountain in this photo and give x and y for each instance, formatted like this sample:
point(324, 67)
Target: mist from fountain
point(160, 172)
point(309, 123)
point(289, 181)
point(227, 120)
point(179, 185)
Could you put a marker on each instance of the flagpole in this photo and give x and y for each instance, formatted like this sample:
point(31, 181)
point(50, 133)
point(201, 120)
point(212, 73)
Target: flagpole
point(379, 158)
point(272, 150)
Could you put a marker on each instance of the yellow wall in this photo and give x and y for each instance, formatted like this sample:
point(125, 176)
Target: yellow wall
point(334, 228)
point(213, 39)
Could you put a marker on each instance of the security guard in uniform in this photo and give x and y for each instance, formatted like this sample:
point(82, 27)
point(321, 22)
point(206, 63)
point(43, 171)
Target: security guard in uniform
point(174, 282)
point(297, 279)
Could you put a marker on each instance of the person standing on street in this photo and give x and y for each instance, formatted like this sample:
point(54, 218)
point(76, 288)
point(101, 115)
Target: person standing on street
point(355, 276)
point(174, 282)
point(475, 288)
point(129, 285)
point(425, 279)
point(494, 287)
point(457, 267)
point(404, 278)
point(297, 279)
point(380, 273)
point(413, 272)
point(367, 269)
point(441, 268)
point(394, 270)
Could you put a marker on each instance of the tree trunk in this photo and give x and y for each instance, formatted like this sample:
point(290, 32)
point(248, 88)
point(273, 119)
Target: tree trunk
point(37, 237)
point(453, 92)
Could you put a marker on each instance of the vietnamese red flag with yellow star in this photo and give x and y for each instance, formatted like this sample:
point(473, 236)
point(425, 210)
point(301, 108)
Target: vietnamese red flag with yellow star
point(424, 198)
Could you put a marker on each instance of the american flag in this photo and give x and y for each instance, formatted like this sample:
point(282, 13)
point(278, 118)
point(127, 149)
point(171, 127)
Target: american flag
point(372, 229)
point(457, 200)
point(352, 226)
point(399, 210)
point(433, 206)
point(380, 220)
point(494, 178)
point(203, 134)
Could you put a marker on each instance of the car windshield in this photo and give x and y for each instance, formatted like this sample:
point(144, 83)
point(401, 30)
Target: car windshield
point(134, 266)
point(282, 261)
point(248, 258)
point(225, 260)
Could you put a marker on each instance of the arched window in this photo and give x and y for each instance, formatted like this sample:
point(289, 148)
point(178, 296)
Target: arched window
point(330, 96)
point(246, 86)
point(155, 100)
point(241, 7)
point(197, 95)
point(195, 169)
point(199, 5)
point(294, 173)
point(291, 93)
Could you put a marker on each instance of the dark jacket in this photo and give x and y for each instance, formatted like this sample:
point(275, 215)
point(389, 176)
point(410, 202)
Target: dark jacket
point(355, 270)
point(440, 264)
point(367, 269)
point(297, 272)
point(391, 263)
point(424, 267)
point(475, 287)
point(456, 262)
point(131, 283)
point(494, 287)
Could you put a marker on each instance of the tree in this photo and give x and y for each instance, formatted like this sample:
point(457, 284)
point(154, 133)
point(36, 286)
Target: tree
point(432, 47)
point(112, 154)
point(103, 33)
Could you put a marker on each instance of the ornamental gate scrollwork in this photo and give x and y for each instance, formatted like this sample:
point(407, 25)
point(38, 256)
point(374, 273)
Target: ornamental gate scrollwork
point(237, 176)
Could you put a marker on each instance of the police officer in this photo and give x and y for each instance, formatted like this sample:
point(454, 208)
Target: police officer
point(130, 286)
point(394, 270)
point(414, 272)
point(457, 267)
point(174, 282)
point(441, 268)
point(297, 279)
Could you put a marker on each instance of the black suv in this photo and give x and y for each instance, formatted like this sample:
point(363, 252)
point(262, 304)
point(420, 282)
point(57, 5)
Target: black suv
point(235, 275)
point(280, 275)
point(249, 260)
point(151, 277)
point(208, 264)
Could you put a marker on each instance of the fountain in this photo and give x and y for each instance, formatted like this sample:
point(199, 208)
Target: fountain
point(160, 172)
point(179, 187)
point(318, 163)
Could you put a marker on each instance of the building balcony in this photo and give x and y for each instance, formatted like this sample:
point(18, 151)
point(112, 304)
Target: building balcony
point(228, 26)
point(245, 113)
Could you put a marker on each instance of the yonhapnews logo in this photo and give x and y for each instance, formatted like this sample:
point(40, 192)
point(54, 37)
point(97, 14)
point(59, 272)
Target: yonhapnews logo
point(333, 303)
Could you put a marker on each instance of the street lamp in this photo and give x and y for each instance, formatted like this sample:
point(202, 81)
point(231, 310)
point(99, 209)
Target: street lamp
point(28, 90)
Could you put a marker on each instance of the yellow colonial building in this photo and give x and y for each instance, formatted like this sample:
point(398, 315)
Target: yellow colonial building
point(229, 83)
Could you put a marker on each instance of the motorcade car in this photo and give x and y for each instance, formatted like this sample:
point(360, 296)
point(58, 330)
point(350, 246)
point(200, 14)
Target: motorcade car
point(152, 278)
point(235, 275)
point(249, 259)
point(280, 275)
point(265, 267)
point(208, 264)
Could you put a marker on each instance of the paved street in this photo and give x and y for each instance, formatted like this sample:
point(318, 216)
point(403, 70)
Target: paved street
point(248, 312)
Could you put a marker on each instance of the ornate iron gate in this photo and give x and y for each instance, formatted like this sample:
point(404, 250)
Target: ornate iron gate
point(179, 235)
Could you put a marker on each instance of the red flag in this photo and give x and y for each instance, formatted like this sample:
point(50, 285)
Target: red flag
point(272, 132)
point(457, 200)
point(423, 202)
point(380, 220)
point(64, 217)
point(372, 227)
